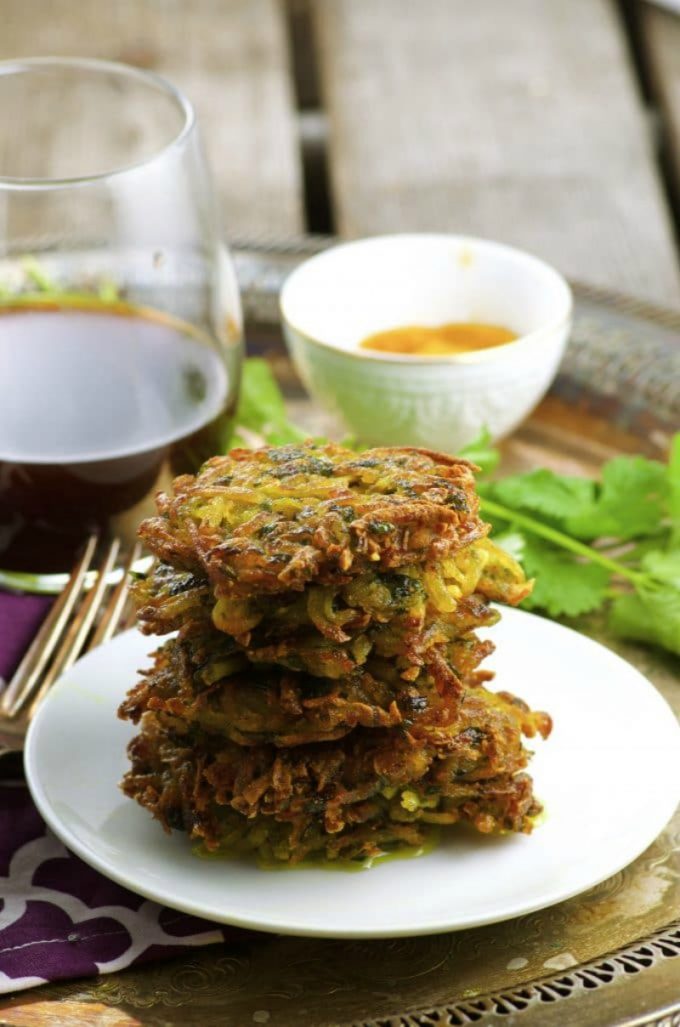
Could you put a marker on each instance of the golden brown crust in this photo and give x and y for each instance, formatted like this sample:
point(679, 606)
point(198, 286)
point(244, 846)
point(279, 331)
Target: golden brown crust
point(321, 634)
point(273, 520)
point(469, 768)
point(202, 678)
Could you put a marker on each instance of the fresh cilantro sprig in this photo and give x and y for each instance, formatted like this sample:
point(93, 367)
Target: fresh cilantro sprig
point(483, 453)
point(612, 543)
point(261, 417)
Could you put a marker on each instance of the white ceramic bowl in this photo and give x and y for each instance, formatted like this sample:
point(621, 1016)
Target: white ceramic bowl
point(334, 300)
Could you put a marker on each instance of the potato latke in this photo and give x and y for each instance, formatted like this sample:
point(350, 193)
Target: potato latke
point(323, 695)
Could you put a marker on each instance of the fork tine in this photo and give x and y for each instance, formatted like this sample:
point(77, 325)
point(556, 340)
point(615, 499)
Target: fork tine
point(115, 607)
point(80, 626)
point(34, 662)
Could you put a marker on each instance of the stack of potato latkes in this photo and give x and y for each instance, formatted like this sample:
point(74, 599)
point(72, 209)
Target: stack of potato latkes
point(322, 696)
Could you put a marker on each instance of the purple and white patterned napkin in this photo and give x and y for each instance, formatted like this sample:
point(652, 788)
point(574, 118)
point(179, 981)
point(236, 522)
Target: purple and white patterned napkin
point(20, 618)
point(58, 917)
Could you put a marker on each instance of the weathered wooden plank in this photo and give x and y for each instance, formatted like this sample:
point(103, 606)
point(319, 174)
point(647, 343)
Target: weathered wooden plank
point(519, 121)
point(229, 56)
point(661, 37)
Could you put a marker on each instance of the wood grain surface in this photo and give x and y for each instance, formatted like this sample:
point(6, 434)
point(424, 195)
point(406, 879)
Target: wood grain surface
point(231, 59)
point(661, 40)
point(522, 123)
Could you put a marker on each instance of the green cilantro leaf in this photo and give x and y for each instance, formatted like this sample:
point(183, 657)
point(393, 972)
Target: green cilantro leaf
point(261, 409)
point(482, 452)
point(664, 566)
point(564, 586)
point(36, 274)
point(629, 503)
point(674, 489)
point(648, 615)
point(108, 291)
point(554, 495)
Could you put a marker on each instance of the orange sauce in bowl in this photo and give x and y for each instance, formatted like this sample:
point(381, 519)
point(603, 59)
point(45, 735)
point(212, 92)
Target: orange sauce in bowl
point(438, 341)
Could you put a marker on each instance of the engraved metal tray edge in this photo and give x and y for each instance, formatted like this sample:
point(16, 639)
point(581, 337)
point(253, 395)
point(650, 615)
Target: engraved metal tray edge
point(533, 997)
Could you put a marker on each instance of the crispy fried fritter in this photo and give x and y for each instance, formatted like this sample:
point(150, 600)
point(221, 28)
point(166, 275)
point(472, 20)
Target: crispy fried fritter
point(197, 679)
point(429, 773)
point(168, 598)
point(275, 519)
point(323, 696)
point(445, 646)
point(414, 616)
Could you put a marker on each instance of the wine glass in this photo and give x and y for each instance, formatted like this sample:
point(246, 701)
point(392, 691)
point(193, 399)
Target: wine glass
point(120, 321)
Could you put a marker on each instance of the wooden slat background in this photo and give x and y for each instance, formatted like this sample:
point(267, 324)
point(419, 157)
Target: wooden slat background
point(520, 121)
point(231, 59)
point(661, 40)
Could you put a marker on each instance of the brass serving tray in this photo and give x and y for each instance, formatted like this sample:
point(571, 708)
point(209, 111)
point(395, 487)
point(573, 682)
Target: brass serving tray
point(610, 956)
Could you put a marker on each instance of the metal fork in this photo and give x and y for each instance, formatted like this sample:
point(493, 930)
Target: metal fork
point(88, 612)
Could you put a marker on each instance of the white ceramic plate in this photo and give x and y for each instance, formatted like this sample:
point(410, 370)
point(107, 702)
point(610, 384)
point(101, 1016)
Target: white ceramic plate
point(609, 777)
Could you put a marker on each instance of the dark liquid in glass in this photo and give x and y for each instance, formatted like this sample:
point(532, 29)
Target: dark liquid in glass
point(97, 411)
